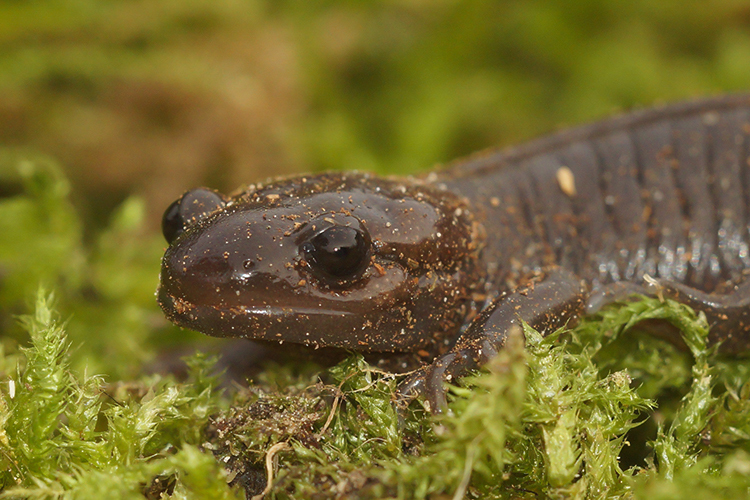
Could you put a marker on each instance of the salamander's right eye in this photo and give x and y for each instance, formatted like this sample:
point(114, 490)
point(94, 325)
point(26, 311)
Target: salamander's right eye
point(337, 254)
point(189, 209)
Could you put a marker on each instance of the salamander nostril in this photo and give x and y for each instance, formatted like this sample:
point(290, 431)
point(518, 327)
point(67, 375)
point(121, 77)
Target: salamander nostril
point(243, 275)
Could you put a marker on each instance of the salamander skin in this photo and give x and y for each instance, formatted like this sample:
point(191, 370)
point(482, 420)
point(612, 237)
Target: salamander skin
point(444, 265)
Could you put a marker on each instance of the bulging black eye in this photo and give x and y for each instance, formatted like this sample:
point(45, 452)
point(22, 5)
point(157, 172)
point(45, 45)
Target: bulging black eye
point(188, 209)
point(338, 252)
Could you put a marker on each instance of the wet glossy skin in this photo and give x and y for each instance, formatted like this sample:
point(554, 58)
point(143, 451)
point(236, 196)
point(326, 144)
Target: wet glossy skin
point(446, 265)
point(251, 270)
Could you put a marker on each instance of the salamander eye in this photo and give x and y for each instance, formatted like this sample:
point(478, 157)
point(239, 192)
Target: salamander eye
point(338, 252)
point(189, 209)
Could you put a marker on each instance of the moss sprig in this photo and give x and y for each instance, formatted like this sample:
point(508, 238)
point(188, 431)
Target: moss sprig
point(66, 435)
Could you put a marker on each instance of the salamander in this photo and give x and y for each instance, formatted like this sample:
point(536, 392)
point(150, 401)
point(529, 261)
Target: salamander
point(443, 265)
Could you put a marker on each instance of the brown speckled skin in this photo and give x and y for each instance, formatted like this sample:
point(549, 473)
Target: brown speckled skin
point(662, 193)
point(239, 272)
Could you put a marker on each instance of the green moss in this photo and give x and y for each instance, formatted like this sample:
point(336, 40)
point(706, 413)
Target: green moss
point(70, 436)
point(41, 230)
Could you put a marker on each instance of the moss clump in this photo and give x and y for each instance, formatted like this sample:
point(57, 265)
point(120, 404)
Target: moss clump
point(66, 435)
point(550, 418)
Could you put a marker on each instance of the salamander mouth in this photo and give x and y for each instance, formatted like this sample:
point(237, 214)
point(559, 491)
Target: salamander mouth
point(303, 325)
point(178, 306)
point(286, 311)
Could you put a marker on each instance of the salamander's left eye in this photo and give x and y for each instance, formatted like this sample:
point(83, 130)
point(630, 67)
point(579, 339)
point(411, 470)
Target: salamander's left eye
point(189, 209)
point(341, 253)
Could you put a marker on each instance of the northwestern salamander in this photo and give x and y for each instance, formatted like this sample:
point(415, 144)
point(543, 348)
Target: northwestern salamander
point(445, 264)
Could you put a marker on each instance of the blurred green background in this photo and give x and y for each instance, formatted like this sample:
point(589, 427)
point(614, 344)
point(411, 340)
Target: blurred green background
point(139, 100)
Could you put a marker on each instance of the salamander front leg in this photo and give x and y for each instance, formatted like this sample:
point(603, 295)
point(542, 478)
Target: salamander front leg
point(547, 302)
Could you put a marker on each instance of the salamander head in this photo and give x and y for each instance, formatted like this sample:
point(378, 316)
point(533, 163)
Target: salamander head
point(337, 260)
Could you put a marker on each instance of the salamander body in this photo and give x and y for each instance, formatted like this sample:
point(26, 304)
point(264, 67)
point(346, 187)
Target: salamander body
point(445, 264)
